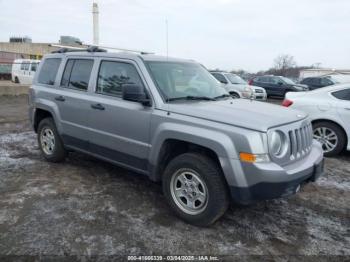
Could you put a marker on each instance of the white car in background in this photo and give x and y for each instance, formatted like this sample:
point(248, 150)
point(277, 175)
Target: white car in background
point(23, 70)
point(238, 87)
point(329, 110)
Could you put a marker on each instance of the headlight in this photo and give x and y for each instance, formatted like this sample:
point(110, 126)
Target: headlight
point(278, 144)
point(247, 93)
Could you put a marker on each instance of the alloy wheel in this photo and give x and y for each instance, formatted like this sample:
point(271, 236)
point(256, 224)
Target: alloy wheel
point(189, 191)
point(327, 137)
point(47, 140)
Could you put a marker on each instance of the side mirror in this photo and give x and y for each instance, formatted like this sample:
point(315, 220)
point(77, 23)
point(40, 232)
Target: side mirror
point(280, 83)
point(223, 82)
point(135, 93)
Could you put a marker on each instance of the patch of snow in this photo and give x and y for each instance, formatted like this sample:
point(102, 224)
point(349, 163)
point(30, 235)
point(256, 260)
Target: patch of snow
point(333, 182)
point(14, 146)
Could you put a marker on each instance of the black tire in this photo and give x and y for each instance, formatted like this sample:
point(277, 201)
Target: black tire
point(58, 153)
point(339, 133)
point(235, 95)
point(211, 175)
point(16, 80)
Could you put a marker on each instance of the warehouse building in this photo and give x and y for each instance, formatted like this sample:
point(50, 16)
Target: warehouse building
point(24, 48)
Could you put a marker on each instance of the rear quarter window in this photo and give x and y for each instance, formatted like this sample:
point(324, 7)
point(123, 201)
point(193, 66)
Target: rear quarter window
point(342, 94)
point(48, 72)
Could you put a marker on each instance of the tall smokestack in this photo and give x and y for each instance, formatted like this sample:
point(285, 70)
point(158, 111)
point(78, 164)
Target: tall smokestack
point(95, 23)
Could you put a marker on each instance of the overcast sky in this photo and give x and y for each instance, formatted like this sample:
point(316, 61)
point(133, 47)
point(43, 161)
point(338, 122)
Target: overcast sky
point(225, 34)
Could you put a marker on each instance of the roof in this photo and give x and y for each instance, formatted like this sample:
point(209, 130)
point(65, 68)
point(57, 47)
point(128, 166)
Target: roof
point(331, 88)
point(123, 55)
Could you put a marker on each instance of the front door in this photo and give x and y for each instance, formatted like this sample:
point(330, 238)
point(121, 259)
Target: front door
point(119, 129)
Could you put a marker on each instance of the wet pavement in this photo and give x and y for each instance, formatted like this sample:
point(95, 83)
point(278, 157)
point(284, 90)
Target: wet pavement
point(88, 207)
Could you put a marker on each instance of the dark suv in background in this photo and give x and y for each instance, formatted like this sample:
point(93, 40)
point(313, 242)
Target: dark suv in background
point(318, 82)
point(277, 85)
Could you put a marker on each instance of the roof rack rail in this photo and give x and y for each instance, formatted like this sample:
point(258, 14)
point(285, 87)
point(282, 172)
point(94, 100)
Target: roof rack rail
point(90, 49)
point(65, 49)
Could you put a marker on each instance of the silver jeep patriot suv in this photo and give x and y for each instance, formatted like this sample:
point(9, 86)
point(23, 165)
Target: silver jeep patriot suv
point(172, 121)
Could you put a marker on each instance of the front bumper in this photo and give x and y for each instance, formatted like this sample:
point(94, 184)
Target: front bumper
point(260, 96)
point(279, 182)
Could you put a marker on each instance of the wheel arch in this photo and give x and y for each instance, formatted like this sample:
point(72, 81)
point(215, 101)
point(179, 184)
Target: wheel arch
point(42, 111)
point(172, 148)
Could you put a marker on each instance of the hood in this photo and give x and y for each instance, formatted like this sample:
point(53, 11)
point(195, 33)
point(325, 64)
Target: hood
point(244, 113)
point(242, 87)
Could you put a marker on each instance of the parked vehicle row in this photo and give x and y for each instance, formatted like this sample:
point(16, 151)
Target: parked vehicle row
point(172, 121)
point(318, 82)
point(277, 85)
point(329, 111)
point(239, 88)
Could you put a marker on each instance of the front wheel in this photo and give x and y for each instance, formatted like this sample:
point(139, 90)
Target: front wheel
point(195, 188)
point(234, 95)
point(331, 137)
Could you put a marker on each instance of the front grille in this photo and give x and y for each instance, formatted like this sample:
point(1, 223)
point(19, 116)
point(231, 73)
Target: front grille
point(259, 91)
point(300, 141)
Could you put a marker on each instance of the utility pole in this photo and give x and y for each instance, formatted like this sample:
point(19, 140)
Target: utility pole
point(167, 38)
point(96, 32)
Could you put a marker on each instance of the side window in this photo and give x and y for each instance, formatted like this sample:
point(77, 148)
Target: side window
point(273, 80)
point(264, 79)
point(306, 81)
point(77, 73)
point(34, 67)
point(49, 70)
point(326, 82)
point(66, 73)
point(25, 65)
point(342, 94)
point(316, 81)
point(113, 75)
point(220, 77)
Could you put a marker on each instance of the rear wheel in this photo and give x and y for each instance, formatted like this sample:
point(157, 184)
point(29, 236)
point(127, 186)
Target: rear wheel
point(50, 142)
point(331, 137)
point(16, 80)
point(195, 188)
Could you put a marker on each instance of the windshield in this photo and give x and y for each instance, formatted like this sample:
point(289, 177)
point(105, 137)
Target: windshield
point(287, 80)
point(235, 79)
point(177, 80)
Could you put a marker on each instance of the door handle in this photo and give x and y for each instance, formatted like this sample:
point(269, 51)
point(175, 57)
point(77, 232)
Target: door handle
point(60, 98)
point(98, 106)
point(347, 108)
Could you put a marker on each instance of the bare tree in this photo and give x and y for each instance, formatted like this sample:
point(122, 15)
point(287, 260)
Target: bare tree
point(283, 63)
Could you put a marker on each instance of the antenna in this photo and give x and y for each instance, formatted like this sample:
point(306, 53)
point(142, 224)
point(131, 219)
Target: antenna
point(167, 37)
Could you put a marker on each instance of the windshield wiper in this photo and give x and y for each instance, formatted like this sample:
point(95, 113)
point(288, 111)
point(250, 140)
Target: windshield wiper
point(222, 96)
point(191, 98)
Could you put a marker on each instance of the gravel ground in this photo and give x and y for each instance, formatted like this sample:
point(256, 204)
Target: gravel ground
point(88, 207)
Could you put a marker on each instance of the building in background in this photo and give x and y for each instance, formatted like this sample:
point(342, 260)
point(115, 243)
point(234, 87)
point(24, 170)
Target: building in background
point(24, 48)
point(70, 40)
point(316, 72)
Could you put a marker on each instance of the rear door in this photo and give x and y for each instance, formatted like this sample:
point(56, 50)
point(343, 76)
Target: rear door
point(63, 84)
point(73, 101)
point(119, 128)
point(24, 77)
point(264, 81)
